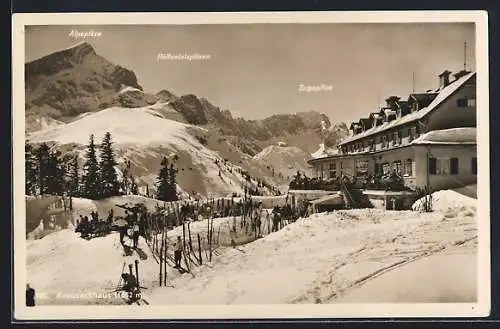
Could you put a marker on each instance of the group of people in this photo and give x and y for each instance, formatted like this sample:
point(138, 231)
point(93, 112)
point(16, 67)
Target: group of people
point(94, 226)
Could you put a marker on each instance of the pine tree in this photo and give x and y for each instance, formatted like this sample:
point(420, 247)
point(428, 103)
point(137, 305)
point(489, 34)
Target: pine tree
point(172, 184)
point(134, 189)
point(42, 159)
point(162, 192)
point(109, 180)
point(74, 179)
point(90, 179)
point(54, 174)
point(31, 170)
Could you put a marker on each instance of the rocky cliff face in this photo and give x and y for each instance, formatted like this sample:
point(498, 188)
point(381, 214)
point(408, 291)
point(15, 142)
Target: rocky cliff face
point(62, 86)
point(73, 81)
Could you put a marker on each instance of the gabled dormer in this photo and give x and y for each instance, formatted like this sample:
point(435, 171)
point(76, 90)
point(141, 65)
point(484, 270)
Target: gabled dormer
point(402, 108)
point(365, 123)
point(389, 114)
point(377, 119)
point(355, 128)
point(416, 102)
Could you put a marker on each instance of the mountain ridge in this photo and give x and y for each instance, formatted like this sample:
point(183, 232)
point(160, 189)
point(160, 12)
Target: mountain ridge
point(67, 89)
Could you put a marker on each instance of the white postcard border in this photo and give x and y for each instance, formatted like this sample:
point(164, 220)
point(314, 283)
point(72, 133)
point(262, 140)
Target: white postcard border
point(356, 310)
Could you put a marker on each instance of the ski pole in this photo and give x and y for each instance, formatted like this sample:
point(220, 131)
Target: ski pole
point(137, 271)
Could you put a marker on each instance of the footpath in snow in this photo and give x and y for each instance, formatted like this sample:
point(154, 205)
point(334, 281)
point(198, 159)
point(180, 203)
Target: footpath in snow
point(319, 259)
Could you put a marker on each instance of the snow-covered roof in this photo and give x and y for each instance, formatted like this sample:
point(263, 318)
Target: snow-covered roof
point(323, 152)
point(454, 136)
point(443, 95)
point(389, 112)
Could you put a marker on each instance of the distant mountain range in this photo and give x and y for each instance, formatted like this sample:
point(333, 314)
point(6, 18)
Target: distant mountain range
point(67, 90)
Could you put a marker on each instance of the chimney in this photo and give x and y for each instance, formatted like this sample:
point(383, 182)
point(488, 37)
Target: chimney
point(444, 79)
point(391, 101)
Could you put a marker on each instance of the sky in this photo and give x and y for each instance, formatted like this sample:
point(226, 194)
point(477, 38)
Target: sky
point(256, 70)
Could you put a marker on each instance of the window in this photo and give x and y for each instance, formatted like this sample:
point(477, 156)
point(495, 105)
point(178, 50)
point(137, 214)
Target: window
point(373, 145)
point(444, 165)
point(331, 166)
point(474, 166)
point(471, 102)
point(432, 166)
point(408, 169)
point(361, 168)
point(440, 166)
point(332, 174)
point(395, 138)
point(386, 168)
point(397, 166)
point(382, 139)
point(413, 133)
point(454, 166)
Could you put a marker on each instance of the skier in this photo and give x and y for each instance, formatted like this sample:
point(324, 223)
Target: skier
point(131, 287)
point(276, 219)
point(135, 234)
point(122, 230)
point(109, 220)
point(30, 296)
point(129, 282)
point(178, 252)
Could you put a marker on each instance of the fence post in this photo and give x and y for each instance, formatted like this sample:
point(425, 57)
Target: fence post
point(199, 249)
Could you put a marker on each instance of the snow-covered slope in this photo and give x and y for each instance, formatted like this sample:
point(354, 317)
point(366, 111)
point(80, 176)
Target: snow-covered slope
point(135, 126)
point(144, 136)
point(314, 260)
point(285, 159)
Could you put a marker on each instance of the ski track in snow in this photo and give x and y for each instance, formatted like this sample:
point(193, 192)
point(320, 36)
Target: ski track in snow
point(317, 259)
point(314, 260)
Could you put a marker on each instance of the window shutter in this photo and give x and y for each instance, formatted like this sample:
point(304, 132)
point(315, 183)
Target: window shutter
point(474, 166)
point(454, 166)
point(432, 166)
point(462, 102)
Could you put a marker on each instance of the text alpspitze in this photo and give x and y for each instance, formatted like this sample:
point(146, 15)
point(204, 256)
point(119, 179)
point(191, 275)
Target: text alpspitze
point(85, 34)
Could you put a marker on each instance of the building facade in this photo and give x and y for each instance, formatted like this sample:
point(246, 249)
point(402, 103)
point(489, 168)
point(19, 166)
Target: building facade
point(429, 139)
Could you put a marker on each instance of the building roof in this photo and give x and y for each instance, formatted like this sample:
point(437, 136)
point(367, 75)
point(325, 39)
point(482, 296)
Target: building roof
point(436, 101)
point(324, 152)
point(453, 136)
